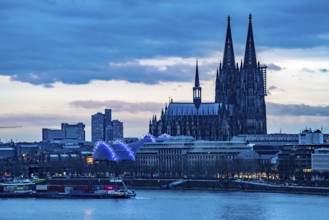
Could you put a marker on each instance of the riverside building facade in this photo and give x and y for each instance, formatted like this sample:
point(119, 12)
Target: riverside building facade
point(183, 156)
point(300, 161)
point(320, 160)
point(239, 106)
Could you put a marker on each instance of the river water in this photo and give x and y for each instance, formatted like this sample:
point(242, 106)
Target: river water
point(184, 205)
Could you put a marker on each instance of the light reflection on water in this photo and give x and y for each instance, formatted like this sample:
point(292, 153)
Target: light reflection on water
point(155, 204)
point(88, 213)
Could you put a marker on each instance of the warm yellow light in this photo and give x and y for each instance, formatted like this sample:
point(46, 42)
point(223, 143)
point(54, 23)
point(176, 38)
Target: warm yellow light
point(90, 160)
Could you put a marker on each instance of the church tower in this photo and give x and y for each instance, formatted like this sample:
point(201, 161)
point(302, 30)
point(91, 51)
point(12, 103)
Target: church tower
point(197, 88)
point(226, 79)
point(226, 88)
point(239, 106)
point(252, 109)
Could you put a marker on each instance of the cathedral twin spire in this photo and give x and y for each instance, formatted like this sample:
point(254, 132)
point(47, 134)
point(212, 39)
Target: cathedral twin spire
point(228, 60)
point(228, 75)
point(250, 53)
point(239, 102)
point(242, 88)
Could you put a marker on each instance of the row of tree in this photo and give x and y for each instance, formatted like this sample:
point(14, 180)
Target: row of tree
point(220, 169)
point(223, 168)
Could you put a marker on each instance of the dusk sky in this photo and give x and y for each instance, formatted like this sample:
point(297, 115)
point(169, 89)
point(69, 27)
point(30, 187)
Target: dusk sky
point(64, 60)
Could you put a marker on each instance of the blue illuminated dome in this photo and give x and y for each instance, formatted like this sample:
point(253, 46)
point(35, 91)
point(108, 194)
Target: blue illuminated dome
point(163, 137)
point(123, 151)
point(119, 150)
point(102, 151)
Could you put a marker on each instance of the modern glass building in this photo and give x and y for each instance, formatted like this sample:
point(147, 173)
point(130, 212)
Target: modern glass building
point(103, 128)
point(97, 127)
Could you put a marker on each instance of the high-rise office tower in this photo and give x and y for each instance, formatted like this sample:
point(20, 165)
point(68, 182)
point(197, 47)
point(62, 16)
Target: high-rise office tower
point(97, 127)
point(103, 128)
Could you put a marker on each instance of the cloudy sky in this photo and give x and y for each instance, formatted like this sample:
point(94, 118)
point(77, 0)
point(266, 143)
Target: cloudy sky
point(64, 60)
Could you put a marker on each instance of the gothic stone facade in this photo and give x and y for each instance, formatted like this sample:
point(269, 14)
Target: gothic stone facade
point(239, 106)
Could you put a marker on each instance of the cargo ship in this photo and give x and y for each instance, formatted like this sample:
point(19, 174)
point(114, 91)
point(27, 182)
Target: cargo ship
point(116, 189)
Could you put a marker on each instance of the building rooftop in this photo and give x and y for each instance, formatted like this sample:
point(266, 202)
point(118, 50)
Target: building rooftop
point(176, 108)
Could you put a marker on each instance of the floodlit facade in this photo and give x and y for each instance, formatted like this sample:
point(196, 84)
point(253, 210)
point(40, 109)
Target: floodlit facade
point(310, 137)
point(320, 160)
point(183, 154)
point(298, 161)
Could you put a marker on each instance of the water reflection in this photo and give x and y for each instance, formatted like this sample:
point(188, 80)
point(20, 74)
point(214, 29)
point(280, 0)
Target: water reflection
point(172, 205)
point(88, 214)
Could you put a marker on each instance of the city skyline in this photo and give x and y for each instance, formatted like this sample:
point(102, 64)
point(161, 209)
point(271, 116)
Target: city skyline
point(62, 61)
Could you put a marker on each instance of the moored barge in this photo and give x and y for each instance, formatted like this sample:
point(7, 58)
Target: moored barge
point(116, 189)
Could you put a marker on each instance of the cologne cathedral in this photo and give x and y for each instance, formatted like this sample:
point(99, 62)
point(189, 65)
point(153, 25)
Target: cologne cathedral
point(239, 106)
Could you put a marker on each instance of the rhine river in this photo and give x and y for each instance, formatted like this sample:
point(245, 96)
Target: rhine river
point(183, 205)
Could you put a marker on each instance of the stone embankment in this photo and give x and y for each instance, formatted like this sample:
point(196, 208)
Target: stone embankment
point(191, 184)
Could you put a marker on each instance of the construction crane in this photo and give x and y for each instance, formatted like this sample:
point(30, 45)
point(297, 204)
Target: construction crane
point(18, 126)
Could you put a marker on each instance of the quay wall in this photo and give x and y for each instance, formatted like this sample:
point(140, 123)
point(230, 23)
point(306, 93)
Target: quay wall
point(190, 184)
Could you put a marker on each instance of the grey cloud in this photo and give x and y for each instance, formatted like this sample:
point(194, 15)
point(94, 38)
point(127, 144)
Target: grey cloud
point(274, 67)
point(297, 110)
point(270, 89)
point(73, 41)
point(118, 106)
point(324, 70)
point(36, 79)
point(179, 72)
point(32, 124)
point(307, 70)
point(30, 119)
